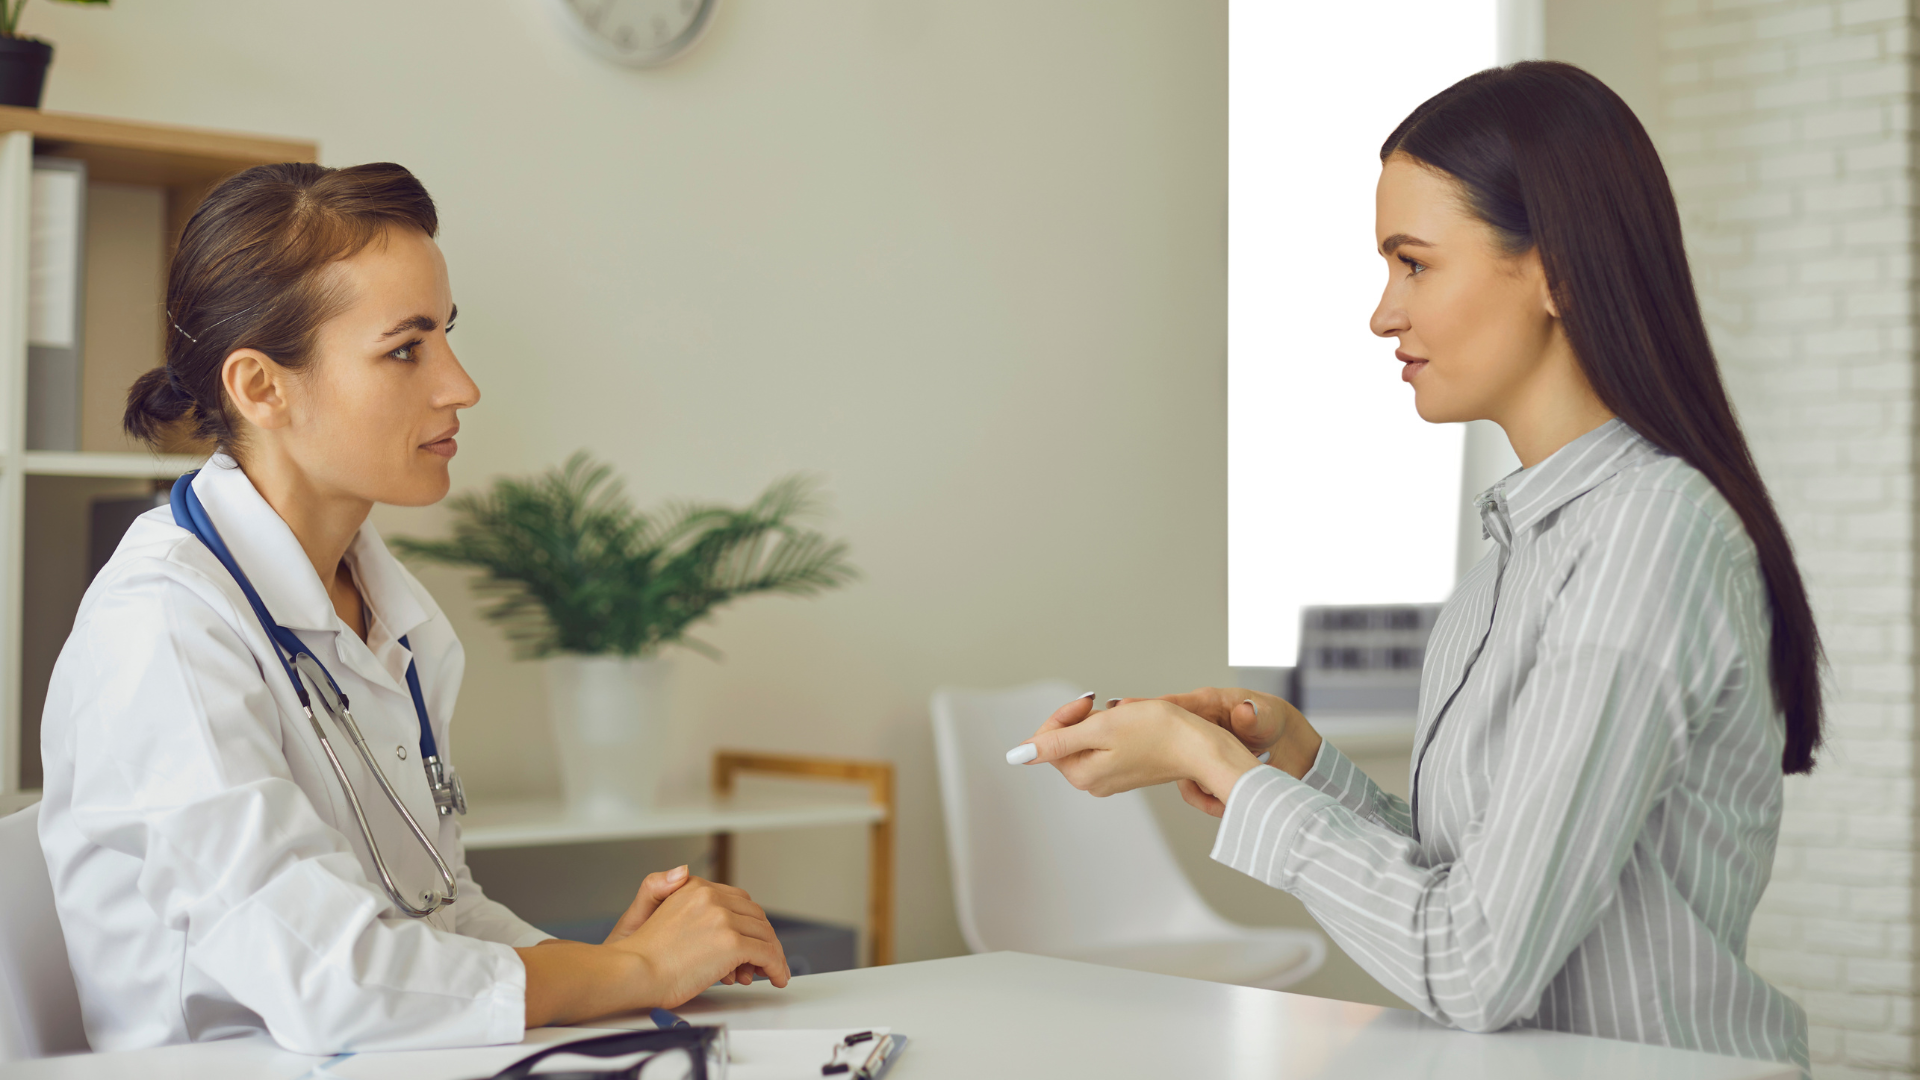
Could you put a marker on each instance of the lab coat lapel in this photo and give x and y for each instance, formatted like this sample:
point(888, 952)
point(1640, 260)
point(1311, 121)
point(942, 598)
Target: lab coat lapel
point(393, 611)
point(265, 547)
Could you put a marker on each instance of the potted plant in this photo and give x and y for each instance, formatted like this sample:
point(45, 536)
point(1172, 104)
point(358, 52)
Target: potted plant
point(579, 578)
point(23, 60)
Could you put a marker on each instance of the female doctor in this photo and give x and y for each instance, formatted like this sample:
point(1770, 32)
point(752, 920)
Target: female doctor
point(1610, 698)
point(212, 874)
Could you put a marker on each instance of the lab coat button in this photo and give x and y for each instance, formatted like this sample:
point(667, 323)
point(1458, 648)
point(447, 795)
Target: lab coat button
point(400, 752)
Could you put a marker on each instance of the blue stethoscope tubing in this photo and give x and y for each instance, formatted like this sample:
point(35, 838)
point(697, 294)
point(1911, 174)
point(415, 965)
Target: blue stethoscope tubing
point(297, 660)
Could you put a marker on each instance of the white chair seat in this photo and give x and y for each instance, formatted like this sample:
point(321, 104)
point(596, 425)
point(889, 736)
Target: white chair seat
point(1267, 961)
point(1042, 868)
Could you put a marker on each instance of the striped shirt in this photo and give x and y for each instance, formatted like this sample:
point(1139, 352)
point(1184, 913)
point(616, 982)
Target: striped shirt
point(1597, 776)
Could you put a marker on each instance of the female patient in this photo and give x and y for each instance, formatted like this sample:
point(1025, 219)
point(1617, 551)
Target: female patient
point(1612, 694)
point(209, 874)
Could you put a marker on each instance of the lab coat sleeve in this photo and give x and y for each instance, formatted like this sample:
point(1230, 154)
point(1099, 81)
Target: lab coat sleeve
point(179, 763)
point(477, 916)
point(1597, 738)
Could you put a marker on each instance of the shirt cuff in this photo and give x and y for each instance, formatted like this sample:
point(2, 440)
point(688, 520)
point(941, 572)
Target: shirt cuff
point(1265, 811)
point(507, 1012)
point(1335, 774)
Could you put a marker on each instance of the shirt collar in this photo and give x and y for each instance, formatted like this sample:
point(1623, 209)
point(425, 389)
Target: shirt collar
point(273, 560)
point(1526, 496)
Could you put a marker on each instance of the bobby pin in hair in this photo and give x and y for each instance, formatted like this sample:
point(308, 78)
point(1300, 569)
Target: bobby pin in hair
point(195, 340)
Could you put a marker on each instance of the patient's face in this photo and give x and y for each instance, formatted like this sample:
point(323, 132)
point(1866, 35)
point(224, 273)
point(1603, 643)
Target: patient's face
point(374, 413)
point(1475, 321)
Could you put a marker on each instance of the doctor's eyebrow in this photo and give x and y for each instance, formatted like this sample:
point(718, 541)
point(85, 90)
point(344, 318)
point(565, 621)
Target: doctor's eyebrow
point(422, 323)
point(1399, 240)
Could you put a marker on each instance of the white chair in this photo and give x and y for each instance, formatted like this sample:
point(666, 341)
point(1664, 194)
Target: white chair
point(1040, 867)
point(39, 1007)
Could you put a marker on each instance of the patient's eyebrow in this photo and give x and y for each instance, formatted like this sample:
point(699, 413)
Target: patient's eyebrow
point(1399, 240)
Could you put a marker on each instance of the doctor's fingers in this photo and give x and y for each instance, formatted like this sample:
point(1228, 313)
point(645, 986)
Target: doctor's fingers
point(652, 892)
point(756, 953)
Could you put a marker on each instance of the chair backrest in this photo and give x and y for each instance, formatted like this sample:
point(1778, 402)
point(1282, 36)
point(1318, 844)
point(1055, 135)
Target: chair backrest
point(39, 1007)
point(1037, 865)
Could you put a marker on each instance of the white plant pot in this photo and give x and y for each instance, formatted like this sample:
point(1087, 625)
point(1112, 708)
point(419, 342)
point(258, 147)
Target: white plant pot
point(610, 717)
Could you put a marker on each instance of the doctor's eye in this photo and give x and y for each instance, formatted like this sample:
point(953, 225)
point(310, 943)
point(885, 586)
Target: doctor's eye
point(1413, 267)
point(407, 352)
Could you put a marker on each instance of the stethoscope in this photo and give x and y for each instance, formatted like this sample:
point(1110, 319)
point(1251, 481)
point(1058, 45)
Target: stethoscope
point(448, 796)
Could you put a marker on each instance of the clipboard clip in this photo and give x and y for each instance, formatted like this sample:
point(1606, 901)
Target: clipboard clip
point(873, 1060)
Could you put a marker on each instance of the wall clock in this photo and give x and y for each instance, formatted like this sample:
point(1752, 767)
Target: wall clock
point(636, 33)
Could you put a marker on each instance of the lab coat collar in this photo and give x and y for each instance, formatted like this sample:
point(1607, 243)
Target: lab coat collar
point(276, 564)
point(1523, 498)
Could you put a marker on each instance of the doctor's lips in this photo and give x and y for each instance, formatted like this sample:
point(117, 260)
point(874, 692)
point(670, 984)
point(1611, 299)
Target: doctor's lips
point(443, 443)
point(1413, 365)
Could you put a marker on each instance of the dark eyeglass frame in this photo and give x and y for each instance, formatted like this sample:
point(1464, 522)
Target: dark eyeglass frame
point(697, 1041)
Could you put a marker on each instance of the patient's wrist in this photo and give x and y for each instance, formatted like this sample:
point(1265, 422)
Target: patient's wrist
point(1222, 760)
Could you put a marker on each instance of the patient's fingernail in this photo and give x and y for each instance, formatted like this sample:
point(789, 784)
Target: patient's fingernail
point(1022, 754)
point(1249, 704)
point(1112, 702)
point(1265, 757)
point(677, 873)
point(1085, 696)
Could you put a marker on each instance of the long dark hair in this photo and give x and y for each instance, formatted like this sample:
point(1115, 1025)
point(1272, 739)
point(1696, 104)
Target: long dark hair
point(1553, 160)
point(249, 273)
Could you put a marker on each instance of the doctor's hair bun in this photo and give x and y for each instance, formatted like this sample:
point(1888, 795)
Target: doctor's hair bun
point(249, 273)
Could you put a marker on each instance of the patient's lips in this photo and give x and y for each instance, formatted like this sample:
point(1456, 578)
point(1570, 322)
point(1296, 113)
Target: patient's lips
point(1414, 365)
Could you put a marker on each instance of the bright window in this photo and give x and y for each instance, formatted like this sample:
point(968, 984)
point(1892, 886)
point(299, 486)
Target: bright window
point(1338, 492)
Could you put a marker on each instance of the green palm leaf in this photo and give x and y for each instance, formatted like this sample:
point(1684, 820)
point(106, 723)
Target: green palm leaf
point(567, 564)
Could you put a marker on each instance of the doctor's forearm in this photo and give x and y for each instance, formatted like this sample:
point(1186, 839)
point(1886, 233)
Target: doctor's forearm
point(570, 981)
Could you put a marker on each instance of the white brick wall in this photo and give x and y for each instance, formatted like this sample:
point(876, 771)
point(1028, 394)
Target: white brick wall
point(1788, 132)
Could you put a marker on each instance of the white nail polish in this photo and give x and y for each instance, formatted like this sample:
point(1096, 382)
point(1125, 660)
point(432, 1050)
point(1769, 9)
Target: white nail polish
point(1022, 754)
point(1085, 696)
point(1265, 758)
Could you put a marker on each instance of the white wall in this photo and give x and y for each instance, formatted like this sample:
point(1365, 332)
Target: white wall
point(964, 259)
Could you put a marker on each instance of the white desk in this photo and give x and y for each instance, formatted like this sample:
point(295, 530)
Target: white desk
point(1014, 1016)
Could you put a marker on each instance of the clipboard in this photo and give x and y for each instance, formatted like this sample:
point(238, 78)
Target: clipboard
point(814, 1054)
point(756, 1054)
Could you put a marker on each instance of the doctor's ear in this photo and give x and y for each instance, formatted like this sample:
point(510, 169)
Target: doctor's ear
point(256, 387)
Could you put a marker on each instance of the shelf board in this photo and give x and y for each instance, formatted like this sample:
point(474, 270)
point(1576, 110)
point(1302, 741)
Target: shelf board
point(537, 824)
point(132, 466)
point(137, 153)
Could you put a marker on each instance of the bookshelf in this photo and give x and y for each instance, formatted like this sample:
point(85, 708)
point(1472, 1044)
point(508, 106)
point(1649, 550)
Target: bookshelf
point(143, 183)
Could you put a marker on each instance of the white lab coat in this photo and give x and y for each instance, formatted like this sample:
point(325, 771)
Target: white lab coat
point(208, 871)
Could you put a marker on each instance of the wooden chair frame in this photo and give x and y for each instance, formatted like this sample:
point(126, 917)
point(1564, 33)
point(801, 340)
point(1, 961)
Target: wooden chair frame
point(877, 775)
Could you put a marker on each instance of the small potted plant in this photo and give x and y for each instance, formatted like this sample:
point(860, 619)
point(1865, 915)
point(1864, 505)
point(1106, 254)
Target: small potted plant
point(23, 60)
point(579, 578)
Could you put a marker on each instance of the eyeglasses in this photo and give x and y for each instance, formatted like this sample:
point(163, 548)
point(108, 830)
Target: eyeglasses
point(693, 1053)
